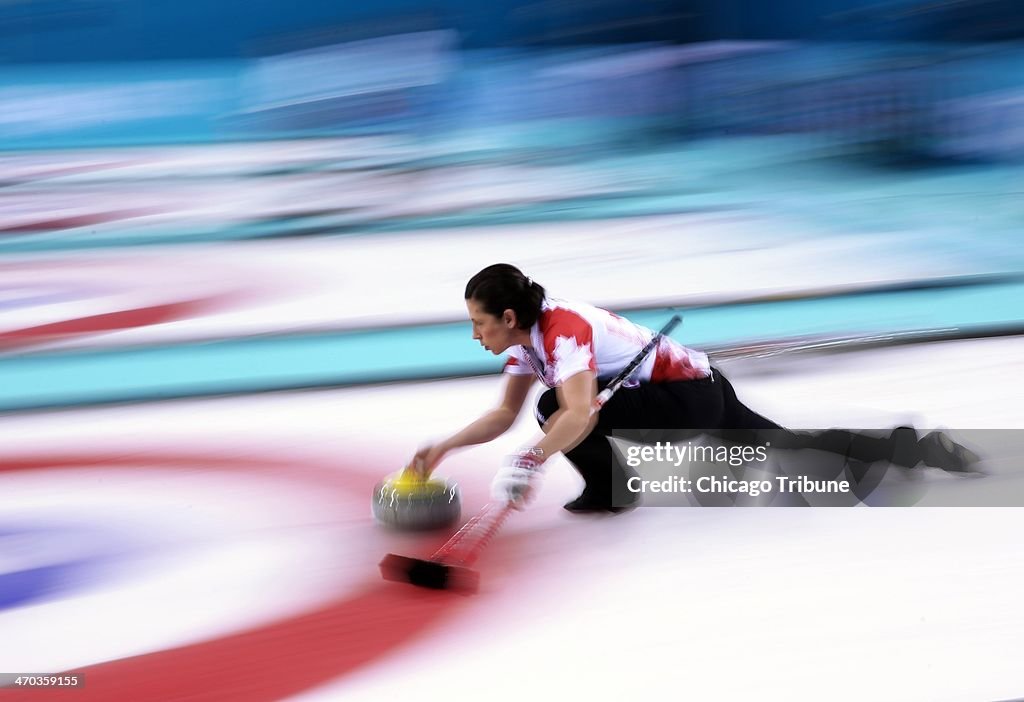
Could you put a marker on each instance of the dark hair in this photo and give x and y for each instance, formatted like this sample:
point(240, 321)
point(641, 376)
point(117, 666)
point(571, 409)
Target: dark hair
point(503, 287)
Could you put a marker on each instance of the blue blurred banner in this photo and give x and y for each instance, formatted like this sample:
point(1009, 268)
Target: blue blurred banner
point(898, 102)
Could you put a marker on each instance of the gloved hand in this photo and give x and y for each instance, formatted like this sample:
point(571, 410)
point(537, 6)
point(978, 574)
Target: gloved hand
point(515, 481)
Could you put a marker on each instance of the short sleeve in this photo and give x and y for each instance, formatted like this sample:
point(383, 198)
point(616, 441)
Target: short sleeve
point(515, 365)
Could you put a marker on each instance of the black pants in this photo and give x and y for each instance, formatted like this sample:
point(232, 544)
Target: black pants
point(707, 406)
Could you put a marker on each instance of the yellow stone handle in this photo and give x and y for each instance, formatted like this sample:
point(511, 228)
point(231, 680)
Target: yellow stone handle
point(411, 476)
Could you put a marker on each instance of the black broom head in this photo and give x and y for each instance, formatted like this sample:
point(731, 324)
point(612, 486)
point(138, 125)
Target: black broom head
point(429, 574)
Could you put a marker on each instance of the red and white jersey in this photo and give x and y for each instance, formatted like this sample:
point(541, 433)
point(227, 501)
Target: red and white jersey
point(570, 338)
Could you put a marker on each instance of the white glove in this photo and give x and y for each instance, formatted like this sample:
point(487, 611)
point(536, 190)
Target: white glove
point(514, 482)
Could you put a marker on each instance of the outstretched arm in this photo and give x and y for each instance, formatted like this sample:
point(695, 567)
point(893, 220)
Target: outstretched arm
point(497, 421)
point(489, 426)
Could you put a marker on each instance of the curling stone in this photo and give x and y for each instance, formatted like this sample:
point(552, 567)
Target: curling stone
point(405, 501)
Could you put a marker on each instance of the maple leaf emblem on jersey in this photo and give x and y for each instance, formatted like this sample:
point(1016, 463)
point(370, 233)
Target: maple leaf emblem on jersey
point(570, 355)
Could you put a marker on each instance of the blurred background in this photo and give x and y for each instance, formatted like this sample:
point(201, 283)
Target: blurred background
point(202, 202)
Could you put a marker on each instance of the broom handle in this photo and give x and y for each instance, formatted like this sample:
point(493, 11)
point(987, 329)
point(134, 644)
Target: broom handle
point(468, 528)
point(623, 376)
point(476, 547)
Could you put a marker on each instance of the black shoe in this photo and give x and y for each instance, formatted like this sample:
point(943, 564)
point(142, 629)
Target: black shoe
point(939, 451)
point(588, 504)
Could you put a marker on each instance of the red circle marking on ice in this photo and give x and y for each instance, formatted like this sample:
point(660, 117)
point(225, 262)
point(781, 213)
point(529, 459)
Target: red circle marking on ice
point(267, 662)
point(46, 224)
point(107, 322)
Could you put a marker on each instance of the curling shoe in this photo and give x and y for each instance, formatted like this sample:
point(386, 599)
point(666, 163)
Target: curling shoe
point(940, 451)
point(588, 503)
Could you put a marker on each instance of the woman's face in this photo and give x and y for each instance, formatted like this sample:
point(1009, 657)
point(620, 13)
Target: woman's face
point(495, 334)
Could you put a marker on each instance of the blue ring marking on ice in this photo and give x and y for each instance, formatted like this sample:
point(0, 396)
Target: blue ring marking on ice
point(57, 575)
point(22, 587)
